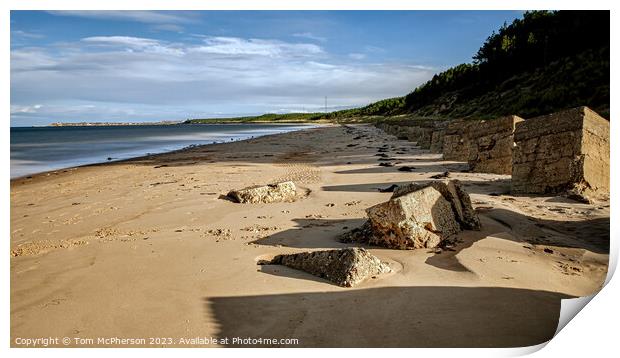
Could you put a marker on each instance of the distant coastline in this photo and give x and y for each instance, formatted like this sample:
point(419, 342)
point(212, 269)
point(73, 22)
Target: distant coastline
point(186, 122)
point(239, 120)
point(102, 124)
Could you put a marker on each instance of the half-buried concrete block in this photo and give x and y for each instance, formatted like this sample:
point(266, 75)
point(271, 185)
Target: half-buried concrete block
point(420, 219)
point(455, 194)
point(346, 267)
point(417, 216)
point(285, 191)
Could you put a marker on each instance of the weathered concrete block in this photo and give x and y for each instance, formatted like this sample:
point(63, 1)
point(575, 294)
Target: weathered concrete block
point(437, 140)
point(417, 216)
point(491, 144)
point(345, 267)
point(456, 142)
point(418, 130)
point(425, 137)
point(285, 191)
point(454, 193)
point(419, 219)
point(394, 130)
point(564, 152)
point(411, 133)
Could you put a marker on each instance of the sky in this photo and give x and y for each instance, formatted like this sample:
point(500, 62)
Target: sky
point(126, 66)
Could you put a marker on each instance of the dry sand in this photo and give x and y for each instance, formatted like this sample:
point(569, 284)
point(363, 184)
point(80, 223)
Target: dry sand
point(146, 248)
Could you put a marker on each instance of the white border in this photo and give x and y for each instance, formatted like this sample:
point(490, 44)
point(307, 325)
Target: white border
point(590, 333)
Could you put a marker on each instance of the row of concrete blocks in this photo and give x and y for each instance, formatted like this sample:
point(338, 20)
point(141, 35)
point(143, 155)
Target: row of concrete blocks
point(567, 151)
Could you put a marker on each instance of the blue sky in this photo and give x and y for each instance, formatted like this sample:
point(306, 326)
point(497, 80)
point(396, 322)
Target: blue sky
point(173, 65)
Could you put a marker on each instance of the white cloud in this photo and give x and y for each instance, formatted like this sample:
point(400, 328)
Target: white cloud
point(25, 109)
point(424, 68)
point(27, 35)
point(26, 59)
point(129, 78)
point(149, 17)
point(168, 27)
point(357, 56)
point(235, 46)
point(134, 43)
point(310, 36)
point(375, 49)
point(122, 40)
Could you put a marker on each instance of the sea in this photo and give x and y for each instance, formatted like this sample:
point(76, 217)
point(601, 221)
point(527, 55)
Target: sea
point(41, 149)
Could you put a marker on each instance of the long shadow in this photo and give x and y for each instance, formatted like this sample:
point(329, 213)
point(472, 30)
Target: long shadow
point(372, 170)
point(312, 234)
point(392, 317)
point(420, 166)
point(448, 260)
point(366, 187)
point(284, 271)
point(488, 187)
point(324, 233)
point(500, 186)
point(592, 235)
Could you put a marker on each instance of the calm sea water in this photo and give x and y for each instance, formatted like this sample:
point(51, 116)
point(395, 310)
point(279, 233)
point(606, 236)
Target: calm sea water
point(39, 149)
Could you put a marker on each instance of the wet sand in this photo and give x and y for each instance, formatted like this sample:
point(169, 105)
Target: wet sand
point(148, 248)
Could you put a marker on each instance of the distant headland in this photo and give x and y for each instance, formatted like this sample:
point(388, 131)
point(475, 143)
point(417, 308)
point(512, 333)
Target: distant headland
point(101, 124)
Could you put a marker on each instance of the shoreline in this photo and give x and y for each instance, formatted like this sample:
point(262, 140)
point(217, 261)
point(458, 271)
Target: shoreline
point(147, 248)
point(65, 169)
point(138, 124)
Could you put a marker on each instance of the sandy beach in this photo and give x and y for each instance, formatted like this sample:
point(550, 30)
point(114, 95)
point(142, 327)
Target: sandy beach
point(147, 248)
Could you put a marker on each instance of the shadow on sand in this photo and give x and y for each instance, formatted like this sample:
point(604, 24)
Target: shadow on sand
point(313, 233)
point(393, 317)
point(592, 235)
point(500, 186)
point(420, 165)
